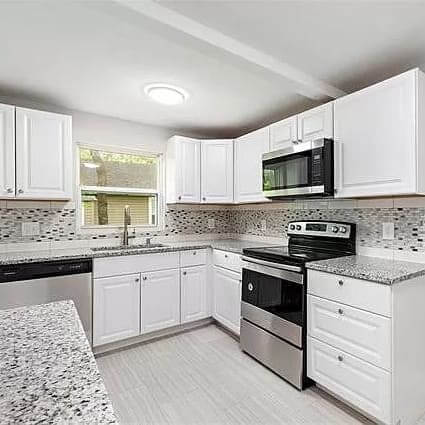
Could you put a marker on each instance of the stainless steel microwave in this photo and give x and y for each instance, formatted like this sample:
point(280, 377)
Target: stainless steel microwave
point(304, 169)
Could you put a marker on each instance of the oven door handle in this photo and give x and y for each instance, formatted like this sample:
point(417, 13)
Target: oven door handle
point(274, 265)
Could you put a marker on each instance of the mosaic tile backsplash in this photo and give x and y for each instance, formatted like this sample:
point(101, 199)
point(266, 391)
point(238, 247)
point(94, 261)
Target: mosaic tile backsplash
point(59, 224)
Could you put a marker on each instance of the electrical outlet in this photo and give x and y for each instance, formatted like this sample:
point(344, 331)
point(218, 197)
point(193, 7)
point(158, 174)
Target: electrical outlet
point(211, 223)
point(388, 231)
point(263, 225)
point(30, 228)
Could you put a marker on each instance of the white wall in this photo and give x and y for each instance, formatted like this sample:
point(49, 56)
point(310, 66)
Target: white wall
point(103, 130)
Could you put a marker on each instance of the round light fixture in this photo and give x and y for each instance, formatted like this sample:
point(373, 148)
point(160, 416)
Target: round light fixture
point(166, 93)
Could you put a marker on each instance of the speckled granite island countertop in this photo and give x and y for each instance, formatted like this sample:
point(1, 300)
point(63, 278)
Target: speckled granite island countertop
point(374, 269)
point(230, 245)
point(48, 373)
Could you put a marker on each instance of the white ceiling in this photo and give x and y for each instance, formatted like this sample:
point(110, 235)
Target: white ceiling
point(96, 56)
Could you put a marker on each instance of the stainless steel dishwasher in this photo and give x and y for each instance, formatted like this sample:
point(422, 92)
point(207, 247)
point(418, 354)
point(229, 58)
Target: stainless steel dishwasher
point(43, 282)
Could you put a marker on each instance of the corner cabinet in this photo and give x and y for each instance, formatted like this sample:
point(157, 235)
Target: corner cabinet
point(36, 147)
point(183, 170)
point(199, 171)
point(217, 171)
point(248, 166)
point(380, 138)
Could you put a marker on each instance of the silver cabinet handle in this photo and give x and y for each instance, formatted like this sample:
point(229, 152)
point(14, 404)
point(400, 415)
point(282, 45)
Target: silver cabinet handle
point(137, 280)
point(9, 190)
point(145, 278)
point(225, 255)
point(295, 142)
point(340, 358)
point(180, 198)
point(204, 199)
point(340, 282)
point(340, 311)
point(184, 273)
point(20, 191)
point(194, 252)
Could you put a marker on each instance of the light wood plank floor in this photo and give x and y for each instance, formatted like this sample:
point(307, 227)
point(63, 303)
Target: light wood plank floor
point(201, 377)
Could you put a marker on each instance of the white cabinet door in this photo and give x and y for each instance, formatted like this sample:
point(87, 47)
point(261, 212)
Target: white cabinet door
point(363, 385)
point(375, 135)
point(7, 151)
point(217, 171)
point(116, 308)
point(227, 298)
point(188, 170)
point(283, 133)
point(193, 293)
point(160, 300)
point(249, 167)
point(316, 123)
point(43, 155)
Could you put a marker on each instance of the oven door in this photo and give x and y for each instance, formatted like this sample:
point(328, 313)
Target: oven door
point(305, 169)
point(273, 299)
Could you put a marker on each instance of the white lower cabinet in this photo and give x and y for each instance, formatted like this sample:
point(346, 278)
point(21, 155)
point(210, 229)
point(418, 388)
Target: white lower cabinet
point(160, 300)
point(363, 385)
point(193, 281)
point(227, 298)
point(116, 308)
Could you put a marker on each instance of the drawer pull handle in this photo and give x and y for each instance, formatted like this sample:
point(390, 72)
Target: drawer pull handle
point(225, 255)
point(137, 280)
point(145, 278)
point(340, 282)
point(340, 311)
point(184, 273)
point(340, 358)
point(194, 252)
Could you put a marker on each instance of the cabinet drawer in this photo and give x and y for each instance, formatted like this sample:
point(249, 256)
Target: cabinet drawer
point(227, 260)
point(126, 264)
point(365, 386)
point(194, 257)
point(358, 332)
point(358, 293)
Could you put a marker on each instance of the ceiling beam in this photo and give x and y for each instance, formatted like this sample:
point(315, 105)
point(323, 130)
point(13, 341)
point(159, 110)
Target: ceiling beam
point(301, 82)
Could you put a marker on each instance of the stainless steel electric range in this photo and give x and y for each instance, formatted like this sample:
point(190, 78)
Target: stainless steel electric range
point(274, 294)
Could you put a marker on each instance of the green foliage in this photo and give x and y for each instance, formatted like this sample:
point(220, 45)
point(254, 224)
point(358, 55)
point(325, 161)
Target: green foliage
point(91, 155)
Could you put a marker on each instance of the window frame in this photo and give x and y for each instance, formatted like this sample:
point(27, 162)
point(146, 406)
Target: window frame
point(113, 228)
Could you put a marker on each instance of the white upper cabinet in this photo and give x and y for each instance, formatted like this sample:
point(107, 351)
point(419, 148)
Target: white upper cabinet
point(283, 133)
point(316, 123)
point(379, 134)
point(183, 170)
point(248, 165)
point(217, 171)
point(43, 155)
point(7, 151)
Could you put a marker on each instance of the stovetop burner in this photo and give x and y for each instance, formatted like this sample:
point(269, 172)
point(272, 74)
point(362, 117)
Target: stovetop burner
point(310, 241)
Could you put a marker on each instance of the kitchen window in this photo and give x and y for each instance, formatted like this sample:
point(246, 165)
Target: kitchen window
point(110, 180)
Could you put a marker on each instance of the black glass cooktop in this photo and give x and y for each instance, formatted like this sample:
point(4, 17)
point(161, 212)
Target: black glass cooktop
point(291, 255)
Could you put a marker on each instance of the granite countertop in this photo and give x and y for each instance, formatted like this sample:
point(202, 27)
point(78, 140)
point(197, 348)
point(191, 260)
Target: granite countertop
point(374, 269)
point(48, 373)
point(230, 245)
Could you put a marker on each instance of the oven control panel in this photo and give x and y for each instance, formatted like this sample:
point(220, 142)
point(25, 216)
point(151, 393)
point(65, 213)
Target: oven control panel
point(320, 228)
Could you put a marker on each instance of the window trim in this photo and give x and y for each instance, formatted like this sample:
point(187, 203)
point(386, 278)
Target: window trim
point(108, 229)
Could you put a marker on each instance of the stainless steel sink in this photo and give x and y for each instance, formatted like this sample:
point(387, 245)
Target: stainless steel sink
point(127, 247)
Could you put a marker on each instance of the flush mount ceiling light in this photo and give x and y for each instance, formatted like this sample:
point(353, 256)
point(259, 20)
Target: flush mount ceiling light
point(166, 93)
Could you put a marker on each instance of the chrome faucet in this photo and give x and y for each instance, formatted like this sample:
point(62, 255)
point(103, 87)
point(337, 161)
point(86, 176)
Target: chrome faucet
point(127, 222)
